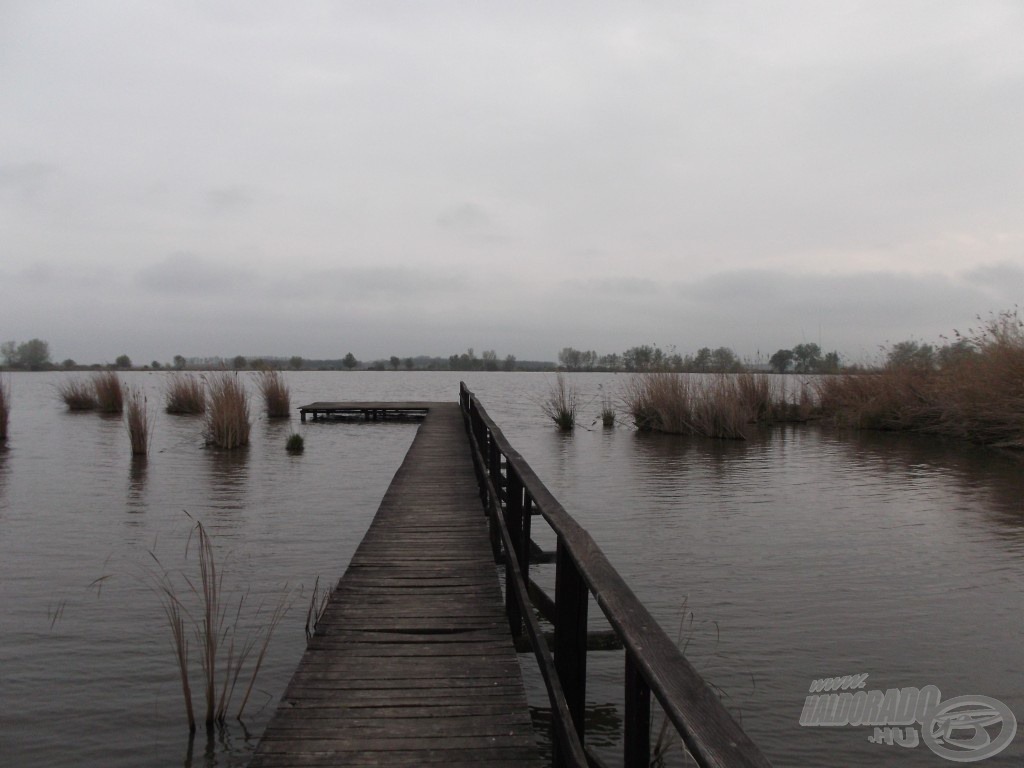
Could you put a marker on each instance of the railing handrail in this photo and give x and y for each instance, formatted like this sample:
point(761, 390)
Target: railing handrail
point(710, 733)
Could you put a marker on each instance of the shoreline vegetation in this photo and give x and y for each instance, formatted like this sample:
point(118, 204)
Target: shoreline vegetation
point(970, 388)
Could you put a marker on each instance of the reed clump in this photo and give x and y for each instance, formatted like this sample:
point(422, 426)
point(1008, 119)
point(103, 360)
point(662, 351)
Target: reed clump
point(78, 395)
point(139, 422)
point(227, 412)
point(607, 412)
point(295, 443)
point(562, 403)
point(185, 395)
point(276, 396)
point(5, 407)
point(976, 394)
point(678, 403)
point(199, 609)
point(109, 392)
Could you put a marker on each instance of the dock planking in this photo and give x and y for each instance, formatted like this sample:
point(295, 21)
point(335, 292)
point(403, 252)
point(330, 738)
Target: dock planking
point(412, 662)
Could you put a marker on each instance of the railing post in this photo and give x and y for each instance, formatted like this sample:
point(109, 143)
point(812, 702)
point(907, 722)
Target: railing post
point(636, 737)
point(570, 646)
point(494, 463)
point(514, 523)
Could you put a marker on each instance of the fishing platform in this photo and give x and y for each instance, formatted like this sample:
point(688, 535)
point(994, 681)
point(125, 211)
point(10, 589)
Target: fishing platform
point(368, 411)
point(414, 662)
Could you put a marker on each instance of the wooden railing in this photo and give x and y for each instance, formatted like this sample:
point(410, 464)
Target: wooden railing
point(513, 495)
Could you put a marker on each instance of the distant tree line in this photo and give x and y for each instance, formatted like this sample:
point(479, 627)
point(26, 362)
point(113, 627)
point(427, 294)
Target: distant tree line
point(804, 358)
point(648, 357)
point(32, 355)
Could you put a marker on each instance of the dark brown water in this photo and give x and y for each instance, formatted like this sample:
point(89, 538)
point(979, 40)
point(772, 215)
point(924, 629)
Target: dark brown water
point(796, 555)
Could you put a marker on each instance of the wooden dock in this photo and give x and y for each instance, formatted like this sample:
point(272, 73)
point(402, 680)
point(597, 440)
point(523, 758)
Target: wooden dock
point(412, 662)
point(370, 411)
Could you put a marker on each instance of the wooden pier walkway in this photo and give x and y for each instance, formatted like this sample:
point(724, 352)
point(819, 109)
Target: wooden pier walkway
point(412, 662)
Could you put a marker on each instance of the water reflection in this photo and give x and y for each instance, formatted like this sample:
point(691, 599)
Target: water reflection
point(219, 743)
point(602, 724)
point(4, 469)
point(980, 480)
point(228, 477)
point(136, 501)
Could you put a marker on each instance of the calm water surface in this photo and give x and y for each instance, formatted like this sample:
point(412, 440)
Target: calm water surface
point(798, 554)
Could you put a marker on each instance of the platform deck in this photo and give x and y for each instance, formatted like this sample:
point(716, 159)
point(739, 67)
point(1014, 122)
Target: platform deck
point(412, 662)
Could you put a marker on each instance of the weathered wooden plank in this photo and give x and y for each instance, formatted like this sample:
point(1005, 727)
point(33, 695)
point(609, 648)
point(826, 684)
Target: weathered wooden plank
point(412, 662)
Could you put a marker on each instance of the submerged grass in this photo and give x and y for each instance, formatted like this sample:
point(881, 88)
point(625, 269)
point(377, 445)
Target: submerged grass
point(139, 422)
point(185, 394)
point(295, 443)
point(562, 403)
point(78, 395)
point(199, 609)
point(276, 396)
point(227, 412)
point(109, 392)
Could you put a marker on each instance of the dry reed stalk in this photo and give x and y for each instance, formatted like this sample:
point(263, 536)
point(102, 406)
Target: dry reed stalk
point(562, 403)
point(720, 410)
point(227, 412)
point(218, 634)
point(185, 395)
point(754, 391)
point(276, 397)
point(77, 395)
point(139, 422)
point(109, 392)
point(317, 605)
point(5, 407)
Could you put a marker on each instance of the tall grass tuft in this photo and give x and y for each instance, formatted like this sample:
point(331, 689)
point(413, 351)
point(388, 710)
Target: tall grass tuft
point(77, 395)
point(139, 422)
point(226, 639)
point(227, 412)
point(276, 397)
point(185, 395)
point(109, 392)
point(5, 407)
point(562, 403)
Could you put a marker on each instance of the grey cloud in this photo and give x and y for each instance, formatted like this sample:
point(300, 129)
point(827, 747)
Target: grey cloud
point(186, 274)
point(227, 200)
point(362, 283)
point(24, 182)
point(466, 216)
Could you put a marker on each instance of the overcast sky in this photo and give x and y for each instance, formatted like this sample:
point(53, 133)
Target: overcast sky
point(312, 178)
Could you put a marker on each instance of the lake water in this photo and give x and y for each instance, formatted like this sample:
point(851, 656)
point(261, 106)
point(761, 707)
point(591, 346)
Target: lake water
point(799, 554)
